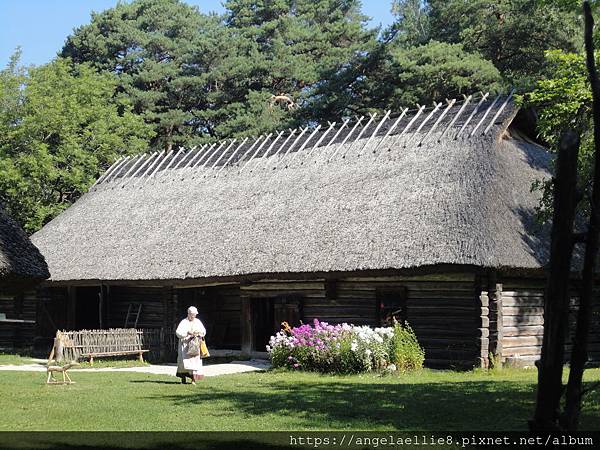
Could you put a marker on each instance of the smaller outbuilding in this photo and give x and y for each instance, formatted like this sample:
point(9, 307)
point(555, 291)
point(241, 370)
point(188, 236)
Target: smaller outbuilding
point(22, 267)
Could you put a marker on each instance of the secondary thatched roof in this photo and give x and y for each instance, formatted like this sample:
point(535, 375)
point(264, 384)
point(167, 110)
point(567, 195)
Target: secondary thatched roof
point(21, 264)
point(437, 192)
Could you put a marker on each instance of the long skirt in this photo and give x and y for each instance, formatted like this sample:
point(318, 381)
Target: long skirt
point(188, 365)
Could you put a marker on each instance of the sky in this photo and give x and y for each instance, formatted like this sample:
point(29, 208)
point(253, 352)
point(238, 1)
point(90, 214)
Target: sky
point(40, 27)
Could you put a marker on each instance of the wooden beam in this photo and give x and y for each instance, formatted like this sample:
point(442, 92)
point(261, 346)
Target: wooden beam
point(391, 129)
point(71, 306)
point(439, 119)
point(246, 326)
point(331, 289)
point(473, 113)
point(100, 307)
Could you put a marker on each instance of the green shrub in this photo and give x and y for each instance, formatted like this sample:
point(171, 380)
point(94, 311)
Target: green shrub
point(405, 351)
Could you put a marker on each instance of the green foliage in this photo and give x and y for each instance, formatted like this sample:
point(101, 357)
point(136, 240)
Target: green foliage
point(405, 351)
point(285, 47)
point(194, 76)
point(436, 71)
point(60, 126)
point(162, 52)
point(412, 22)
point(564, 101)
point(401, 76)
point(563, 98)
point(568, 5)
point(443, 48)
point(512, 34)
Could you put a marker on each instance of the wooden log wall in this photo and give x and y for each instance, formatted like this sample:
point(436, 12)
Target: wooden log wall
point(523, 311)
point(219, 308)
point(52, 312)
point(152, 300)
point(18, 335)
point(444, 310)
point(447, 312)
point(308, 296)
point(312, 292)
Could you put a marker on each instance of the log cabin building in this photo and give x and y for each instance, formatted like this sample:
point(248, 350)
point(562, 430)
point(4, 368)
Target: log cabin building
point(426, 214)
point(22, 267)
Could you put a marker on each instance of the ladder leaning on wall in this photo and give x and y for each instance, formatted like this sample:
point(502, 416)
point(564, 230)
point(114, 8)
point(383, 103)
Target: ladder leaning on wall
point(132, 314)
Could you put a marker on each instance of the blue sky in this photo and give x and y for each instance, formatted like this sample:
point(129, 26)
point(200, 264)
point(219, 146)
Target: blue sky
point(40, 27)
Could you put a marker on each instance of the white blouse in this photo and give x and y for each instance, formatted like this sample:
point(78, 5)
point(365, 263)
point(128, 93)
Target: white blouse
point(186, 326)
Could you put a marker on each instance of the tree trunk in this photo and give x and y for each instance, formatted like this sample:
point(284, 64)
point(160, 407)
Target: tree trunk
point(556, 302)
point(570, 418)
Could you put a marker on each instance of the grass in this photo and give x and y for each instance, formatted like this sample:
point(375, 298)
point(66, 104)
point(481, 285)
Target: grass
point(279, 400)
point(24, 359)
point(15, 359)
point(118, 363)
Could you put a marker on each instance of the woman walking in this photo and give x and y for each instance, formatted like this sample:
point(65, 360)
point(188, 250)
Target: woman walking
point(188, 329)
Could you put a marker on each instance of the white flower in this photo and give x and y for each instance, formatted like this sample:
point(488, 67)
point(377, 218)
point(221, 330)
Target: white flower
point(385, 332)
point(354, 346)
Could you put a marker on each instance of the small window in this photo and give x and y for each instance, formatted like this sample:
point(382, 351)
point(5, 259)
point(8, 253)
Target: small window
point(391, 303)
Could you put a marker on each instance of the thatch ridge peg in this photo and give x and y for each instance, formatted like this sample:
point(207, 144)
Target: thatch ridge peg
point(337, 139)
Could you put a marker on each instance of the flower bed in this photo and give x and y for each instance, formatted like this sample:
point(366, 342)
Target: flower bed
point(345, 348)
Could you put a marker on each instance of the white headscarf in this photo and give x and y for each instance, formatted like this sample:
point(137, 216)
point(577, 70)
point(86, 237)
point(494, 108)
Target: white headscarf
point(193, 310)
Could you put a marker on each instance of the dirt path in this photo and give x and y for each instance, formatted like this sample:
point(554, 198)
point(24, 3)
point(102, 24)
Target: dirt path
point(210, 370)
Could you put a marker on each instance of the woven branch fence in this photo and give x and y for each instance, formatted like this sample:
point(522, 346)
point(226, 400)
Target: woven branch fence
point(71, 345)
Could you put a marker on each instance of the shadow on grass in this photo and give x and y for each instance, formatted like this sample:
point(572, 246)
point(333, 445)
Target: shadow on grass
point(158, 441)
point(155, 381)
point(456, 406)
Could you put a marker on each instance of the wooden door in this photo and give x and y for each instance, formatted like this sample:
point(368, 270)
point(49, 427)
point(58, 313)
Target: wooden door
point(263, 322)
point(269, 313)
point(287, 309)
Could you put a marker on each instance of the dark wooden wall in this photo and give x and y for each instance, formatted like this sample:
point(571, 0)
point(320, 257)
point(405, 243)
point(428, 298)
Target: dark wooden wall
point(16, 335)
point(523, 321)
point(152, 300)
point(219, 310)
point(460, 319)
point(445, 310)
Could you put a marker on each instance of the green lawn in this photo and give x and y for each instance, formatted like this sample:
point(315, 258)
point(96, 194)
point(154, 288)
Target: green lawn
point(14, 359)
point(19, 360)
point(275, 400)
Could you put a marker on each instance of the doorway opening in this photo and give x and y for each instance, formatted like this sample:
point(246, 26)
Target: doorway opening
point(88, 308)
point(269, 313)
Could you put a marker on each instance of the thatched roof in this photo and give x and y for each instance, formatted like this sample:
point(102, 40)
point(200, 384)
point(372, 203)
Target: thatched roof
point(449, 189)
point(21, 264)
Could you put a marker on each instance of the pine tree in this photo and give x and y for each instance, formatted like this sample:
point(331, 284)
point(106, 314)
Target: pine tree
point(162, 51)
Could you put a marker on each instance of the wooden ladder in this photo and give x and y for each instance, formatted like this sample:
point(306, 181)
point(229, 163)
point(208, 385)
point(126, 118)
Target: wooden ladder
point(131, 313)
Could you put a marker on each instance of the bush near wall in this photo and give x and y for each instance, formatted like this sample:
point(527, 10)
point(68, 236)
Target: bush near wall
point(345, 348)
